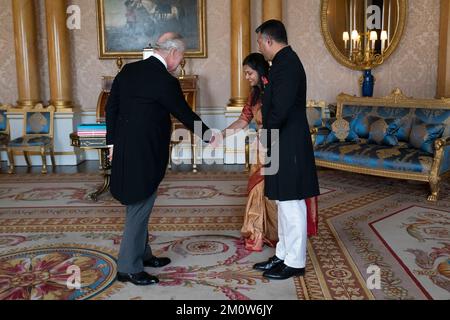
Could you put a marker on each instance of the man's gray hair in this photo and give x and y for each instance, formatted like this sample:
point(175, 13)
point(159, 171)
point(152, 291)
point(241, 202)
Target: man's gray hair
point(175, 41)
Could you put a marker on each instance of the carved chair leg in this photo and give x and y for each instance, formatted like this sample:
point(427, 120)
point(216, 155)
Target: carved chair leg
point(11, 161)
point(27, 159)
point(52, 158)
point(247, 156)
point(435, 188)
point(44, 161)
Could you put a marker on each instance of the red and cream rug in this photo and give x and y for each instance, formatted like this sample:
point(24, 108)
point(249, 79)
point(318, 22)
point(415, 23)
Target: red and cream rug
point(379, 239)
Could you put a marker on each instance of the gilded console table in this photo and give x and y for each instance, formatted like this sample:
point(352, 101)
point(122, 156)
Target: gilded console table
point(96, 143)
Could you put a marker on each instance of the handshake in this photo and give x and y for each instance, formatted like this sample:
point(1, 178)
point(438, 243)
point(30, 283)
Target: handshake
point(214, 142)
point(216, 139)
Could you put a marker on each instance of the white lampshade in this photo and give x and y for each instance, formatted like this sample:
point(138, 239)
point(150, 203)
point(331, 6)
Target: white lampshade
point(373, 36)
point(355, 35)
point(384, 35)
point(346, 36)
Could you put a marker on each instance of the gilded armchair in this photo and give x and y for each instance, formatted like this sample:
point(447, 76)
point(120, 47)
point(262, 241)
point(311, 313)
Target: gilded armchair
point(37, 137)
point(4, 127)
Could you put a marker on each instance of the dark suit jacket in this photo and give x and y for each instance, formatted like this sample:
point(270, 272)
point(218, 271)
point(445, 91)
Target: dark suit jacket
point(284, 108)
point(143, 96)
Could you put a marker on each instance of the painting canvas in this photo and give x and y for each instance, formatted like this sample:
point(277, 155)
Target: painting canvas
point(126, 27)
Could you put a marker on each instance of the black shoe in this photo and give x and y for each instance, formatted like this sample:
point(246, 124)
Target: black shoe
point(138, 279)
point(155, 262)
point(283, 272)
point(268, 265)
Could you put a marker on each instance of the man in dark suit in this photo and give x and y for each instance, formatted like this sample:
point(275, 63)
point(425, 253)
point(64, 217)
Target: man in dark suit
point(143, 96)
point(284, 110)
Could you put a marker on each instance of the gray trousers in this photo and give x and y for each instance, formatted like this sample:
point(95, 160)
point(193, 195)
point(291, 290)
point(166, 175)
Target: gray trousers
point(134, 248)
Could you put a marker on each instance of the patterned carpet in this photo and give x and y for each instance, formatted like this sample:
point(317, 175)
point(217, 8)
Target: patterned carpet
point(368, 226)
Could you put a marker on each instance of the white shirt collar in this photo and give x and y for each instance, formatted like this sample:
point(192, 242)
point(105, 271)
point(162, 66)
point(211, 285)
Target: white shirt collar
point(157, 56)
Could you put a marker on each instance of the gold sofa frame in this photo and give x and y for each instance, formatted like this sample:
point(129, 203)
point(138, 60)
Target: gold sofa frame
point(397, 100)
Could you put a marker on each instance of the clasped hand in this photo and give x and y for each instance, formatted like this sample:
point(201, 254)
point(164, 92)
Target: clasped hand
point(216, 140)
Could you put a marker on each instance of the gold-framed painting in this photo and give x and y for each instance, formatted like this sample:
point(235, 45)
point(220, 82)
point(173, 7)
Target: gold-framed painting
point(126, 27)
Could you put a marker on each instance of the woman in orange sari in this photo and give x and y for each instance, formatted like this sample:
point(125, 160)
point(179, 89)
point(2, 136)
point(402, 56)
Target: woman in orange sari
point(260, 219)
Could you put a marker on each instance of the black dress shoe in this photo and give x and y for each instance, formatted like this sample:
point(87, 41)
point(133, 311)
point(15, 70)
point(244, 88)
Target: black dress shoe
point(268, 265)
point(138, 279)
point(155, 262)
point(283, 272)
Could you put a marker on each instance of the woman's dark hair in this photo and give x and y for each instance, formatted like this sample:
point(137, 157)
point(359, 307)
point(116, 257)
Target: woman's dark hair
point(257, 62)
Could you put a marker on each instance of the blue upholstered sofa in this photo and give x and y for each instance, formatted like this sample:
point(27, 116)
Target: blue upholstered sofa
point(395, 137)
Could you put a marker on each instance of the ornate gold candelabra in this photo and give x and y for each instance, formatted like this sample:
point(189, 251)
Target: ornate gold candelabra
point(368, 58)
point(365, 55)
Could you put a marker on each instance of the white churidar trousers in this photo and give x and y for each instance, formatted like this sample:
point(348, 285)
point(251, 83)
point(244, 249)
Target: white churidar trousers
point(292, 233)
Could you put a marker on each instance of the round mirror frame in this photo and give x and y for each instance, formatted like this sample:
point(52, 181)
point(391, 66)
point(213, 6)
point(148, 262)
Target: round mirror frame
point(339, 56)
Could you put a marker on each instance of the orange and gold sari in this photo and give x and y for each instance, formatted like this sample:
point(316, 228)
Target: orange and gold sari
point(260, 219)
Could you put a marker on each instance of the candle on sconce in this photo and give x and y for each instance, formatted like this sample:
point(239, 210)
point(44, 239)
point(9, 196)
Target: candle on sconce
point(346, 38)
point(373, 38)
point(383, 37)
point(355, 36)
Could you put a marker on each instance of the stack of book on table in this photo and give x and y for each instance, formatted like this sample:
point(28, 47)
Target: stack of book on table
point(92, 135)
point(88, 130)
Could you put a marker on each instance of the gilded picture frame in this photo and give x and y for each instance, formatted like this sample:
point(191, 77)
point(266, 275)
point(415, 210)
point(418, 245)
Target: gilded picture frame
point(126, 27)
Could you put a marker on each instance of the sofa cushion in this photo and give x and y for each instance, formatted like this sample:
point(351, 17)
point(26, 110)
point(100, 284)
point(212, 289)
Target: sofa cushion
point(404, 131)
point(340, 130)
point(398, 158)
point(321, 136)
point(407, 114)
point(383, 131)
point(361, 125)
point(433, 116)
point(362, 113)
point(423, 135)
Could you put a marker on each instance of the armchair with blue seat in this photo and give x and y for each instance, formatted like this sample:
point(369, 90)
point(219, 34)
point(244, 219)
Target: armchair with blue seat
point(4, 127)
point(37, 137)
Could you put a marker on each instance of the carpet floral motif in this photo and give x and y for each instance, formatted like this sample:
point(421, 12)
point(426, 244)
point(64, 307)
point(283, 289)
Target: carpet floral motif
point(44, 274)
